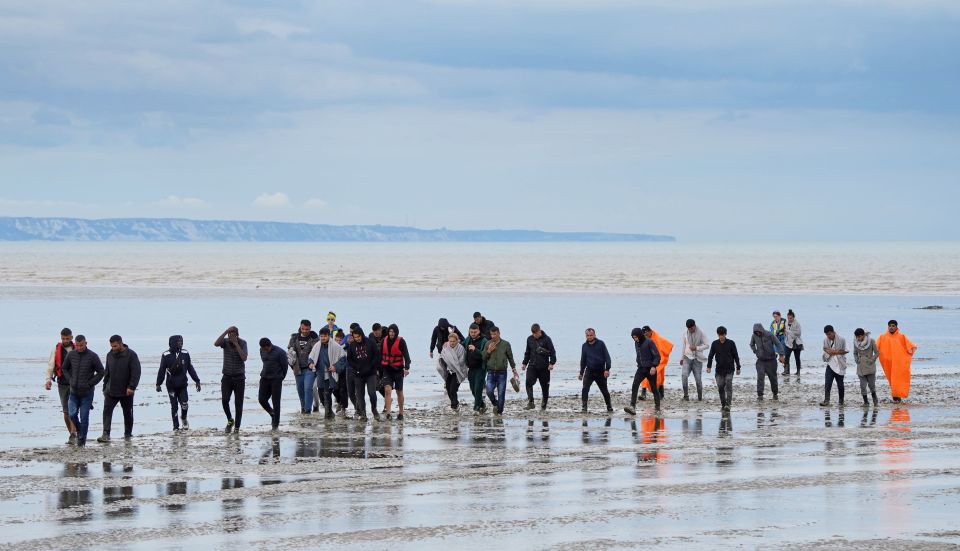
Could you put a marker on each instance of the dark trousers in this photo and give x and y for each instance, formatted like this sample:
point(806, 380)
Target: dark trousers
point(828, 378)
point(477, 376)
point(270, 390)
point(638, 377)
point(725, 387)
point(348, 382)
point(368, 384)
point(768, 369)
point(795, 352)
point(236, 387)
point(453, 386)
point(126, 404)
point(541, 375)
point(178, 401)
point(589, 377)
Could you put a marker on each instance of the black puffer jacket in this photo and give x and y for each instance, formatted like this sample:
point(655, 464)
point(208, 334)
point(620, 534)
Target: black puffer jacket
point(83, 370)
point(123, 372)
point(540, 352)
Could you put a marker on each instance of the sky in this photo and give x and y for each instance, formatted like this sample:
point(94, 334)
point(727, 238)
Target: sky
point(708, 120)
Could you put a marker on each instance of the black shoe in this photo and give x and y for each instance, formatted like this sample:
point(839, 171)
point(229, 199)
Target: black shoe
point(316, 408)
point(530, 405)
point(399, 417)
point(798, 371)
point(786, 372)
point(583, 409)
point(699, 396)
point(897, 400)
point(776, 397)
point(630, 410)
point(229, 425)
point(184, 423)
point(686, 398)
point(329, 415)
point(103, 438)
point(609, 409)
point(376, 415)
point(825, 404)
point(389, 417)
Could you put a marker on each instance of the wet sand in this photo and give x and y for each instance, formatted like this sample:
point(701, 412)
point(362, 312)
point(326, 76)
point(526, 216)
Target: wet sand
point(773, 474)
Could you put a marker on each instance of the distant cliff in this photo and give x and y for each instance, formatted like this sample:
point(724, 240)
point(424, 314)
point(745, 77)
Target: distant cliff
point(166, 229)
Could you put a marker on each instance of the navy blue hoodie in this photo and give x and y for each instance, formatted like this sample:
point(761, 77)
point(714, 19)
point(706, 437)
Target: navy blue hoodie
point(174, 366)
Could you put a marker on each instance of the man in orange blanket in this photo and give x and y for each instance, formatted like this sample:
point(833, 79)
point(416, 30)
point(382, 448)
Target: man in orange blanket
point(664, 347)
point(896, 353)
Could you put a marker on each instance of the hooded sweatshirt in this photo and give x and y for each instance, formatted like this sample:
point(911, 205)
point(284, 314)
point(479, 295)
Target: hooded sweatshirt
point(363, 356)
point(765, 345)
point(647, 354)
point(441, 333)
point(122, 372)
point(175, 364)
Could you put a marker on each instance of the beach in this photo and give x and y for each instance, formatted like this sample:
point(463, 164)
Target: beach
point(785, 474)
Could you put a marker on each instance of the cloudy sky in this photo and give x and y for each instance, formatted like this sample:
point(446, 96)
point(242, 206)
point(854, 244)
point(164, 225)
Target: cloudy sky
point(704, 119)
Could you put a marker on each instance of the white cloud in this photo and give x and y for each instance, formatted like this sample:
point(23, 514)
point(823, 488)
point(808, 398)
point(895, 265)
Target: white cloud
point(277, 29)
point(272, 200)
point(315, 203)
point(177, 201)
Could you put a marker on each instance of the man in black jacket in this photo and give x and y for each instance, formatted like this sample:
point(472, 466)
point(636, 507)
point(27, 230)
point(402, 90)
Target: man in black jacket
point(595, 368)
point(648, 358)
point(298, 352)
point(363, 357)
point(119, 384)
point(84, 371)
point(724, 351)
point(440, 335)
point(271, 379)
point(538, 361)
point(485, 325)
point(175, 364)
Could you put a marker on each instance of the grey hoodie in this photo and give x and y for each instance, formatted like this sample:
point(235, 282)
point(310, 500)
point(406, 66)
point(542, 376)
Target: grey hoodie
point(766, 346)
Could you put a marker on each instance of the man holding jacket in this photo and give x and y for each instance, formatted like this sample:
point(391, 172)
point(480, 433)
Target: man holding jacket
point(766, 346)
point(83, 371)
point(175, 364)
point(119, 384)
point(538, 361)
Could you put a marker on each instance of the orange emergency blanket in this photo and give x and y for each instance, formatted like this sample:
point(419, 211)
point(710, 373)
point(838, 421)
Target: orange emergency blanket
point(664, 347)
point(895, 358)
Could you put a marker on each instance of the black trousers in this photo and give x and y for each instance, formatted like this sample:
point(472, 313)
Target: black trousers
point(638, 377)
point(270, 389)
point(179, 400)
point(235, 386)
point(590, 377)
point(126, 404)
point(829, 377)
point(541, 375)
point(453, 386)
point(795, 352)
point(365, 384)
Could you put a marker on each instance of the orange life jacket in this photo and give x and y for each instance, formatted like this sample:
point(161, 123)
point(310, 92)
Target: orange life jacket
point(392, 356)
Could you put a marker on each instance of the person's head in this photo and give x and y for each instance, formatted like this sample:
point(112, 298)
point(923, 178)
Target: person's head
point(393, 331)
point(758, 329)
point(776, 315)
point(892, 326)
point(453, 339)
point(357, 333)
point(305, 327)
point(791, 316)
point(691, 326)
point(266, 345)
point(175, 342)
point(339, 335)
point(722, 333)
point(81, 343)
point(591, 334)
point(860, 334)
point(477, 317)
point(495, 334)
point(474, 331)
point(535, 330)
point(637, 334)
point(647, 331)
point(66, 335)
point(324, 335)
point(377, 330)
point(331, 318)
point(116, 343)
point(829, 332)
point(443, 323)
point(233, 332)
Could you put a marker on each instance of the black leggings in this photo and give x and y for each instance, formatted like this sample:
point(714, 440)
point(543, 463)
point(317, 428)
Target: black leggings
point(796, 354)
point(368, 384)
point(270, 389)
point(590, 377)
point(453, 386)
point(235, 386)
point(829, 376)
point(638, 377)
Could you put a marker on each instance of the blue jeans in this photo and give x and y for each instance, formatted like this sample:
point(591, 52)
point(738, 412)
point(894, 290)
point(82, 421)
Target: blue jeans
point(305, 381)
point(498, 380)
point(79, 410)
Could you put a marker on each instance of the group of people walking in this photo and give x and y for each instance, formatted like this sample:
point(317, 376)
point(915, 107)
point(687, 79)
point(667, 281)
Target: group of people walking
point(335, 369)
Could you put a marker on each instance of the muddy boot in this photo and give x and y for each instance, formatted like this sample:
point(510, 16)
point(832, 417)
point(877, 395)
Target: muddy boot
point(543, 404)
point(686, 398)
point(699, 395)
point(631, 410)
point(184, 423)
point(874, 396)
point(530, 405)
point(104, 438)
point(176, 423)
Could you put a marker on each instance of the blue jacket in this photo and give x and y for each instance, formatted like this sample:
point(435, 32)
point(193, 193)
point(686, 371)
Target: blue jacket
point(594, 357)
point(175, 364)
point(274, 363)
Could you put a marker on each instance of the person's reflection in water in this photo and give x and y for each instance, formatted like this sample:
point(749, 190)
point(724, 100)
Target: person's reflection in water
point(68, 498)
point(872, 422)
point(652, 431)
point(841, 418)
point(271, 454)
point(176, 489)
point(726, 425)
point(229, 504)
point(695, 428)
point(724, 448)
point(602, 436)
point(114, 494)
point(827, 419)
point(543, 435)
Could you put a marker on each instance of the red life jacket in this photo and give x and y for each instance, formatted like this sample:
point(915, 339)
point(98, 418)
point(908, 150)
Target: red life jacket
point(392, 356)
point(58, 360)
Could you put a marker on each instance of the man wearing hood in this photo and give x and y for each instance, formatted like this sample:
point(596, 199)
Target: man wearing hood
point(648, 358)
point(175, 364)
point(664, 348)
point(84, 371)
point(440, 335)
point(395, 361)
point(363, 357)
point(298, 357)
point(120, 380)
point(865, 353)
point(538, 361)
point(766, 346)
point(896, 355)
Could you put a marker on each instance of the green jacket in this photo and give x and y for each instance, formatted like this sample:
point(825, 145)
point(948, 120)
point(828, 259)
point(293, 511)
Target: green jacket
point(498, 359)
point(475, 357)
